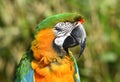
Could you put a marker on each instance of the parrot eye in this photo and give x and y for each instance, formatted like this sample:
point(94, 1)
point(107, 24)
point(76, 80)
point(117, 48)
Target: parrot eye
point(57, 29)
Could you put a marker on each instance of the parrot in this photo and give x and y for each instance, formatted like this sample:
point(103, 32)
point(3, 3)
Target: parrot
point(49, 58)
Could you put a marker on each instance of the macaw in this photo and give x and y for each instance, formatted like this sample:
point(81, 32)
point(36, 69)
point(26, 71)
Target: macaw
point(49, 58)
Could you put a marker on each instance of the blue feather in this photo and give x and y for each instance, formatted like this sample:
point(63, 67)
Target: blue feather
point(29, 77)
point(24, 72)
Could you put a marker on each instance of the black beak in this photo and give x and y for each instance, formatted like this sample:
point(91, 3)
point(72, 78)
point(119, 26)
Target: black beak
point(77, 37)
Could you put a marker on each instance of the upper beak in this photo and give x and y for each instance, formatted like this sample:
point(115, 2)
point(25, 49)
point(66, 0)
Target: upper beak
point(77, 37)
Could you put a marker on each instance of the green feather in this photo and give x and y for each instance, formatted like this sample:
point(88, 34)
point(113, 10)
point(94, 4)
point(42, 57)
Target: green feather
point(24, 68)
point(76, 74)
point(52, 20)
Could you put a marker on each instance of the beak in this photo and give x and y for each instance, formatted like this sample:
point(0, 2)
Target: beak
point(77, 37)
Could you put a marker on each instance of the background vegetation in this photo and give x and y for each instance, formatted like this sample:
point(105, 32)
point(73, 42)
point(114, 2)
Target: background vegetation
point(100, 61)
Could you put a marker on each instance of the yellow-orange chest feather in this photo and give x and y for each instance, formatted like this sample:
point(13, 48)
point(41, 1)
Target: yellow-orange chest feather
point(48, 66)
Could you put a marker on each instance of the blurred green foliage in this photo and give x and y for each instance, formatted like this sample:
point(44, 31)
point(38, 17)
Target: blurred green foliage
point(100, 61)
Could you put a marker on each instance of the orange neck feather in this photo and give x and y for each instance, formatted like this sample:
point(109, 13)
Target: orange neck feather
point(42, 46)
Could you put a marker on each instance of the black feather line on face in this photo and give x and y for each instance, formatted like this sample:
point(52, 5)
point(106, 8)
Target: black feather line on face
point(61, 52)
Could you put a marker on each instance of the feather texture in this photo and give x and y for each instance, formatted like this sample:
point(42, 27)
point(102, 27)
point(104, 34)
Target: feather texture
point(24, 71)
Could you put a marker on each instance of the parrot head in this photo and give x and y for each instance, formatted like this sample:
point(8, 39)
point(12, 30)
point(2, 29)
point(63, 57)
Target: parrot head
point(61, 31)
point(69, 34)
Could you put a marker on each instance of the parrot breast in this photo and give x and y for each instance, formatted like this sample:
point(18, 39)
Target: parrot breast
point(47, 64)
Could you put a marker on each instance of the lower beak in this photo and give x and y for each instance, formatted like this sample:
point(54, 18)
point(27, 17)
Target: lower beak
point(77, 37)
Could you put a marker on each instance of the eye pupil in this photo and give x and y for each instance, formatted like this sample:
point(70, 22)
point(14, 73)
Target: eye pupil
point(58, 29)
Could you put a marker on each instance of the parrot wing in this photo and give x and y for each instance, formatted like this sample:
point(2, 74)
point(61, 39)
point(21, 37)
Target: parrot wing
point(24, 72)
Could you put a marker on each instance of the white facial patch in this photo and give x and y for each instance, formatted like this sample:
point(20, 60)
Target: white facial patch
point(62, 28)
point(62, 31)
point(59, 41)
